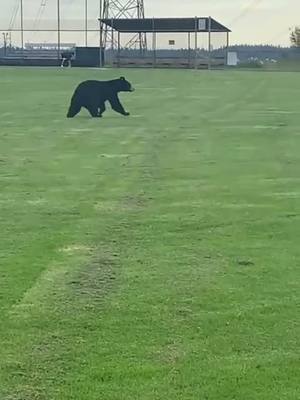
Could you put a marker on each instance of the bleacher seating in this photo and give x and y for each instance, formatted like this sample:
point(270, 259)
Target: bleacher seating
point(32, 54)
point(168, 62)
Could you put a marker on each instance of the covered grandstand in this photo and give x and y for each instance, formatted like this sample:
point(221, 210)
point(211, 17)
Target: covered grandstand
point(192, 55)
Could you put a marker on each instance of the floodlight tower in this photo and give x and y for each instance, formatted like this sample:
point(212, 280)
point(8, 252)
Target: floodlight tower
point(121, 9)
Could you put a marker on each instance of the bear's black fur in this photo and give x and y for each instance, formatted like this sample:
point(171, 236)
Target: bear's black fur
point(93, 94)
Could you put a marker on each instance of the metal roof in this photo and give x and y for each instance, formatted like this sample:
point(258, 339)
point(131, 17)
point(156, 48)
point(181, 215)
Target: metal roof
point(134, 25)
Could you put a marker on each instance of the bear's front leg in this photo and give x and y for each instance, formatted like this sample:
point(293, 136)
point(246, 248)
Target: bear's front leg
point(117, 106)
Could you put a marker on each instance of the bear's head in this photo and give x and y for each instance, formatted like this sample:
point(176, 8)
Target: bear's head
point(124, 85)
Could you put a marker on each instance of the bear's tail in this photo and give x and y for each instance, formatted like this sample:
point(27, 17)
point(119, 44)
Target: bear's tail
point(73, 109)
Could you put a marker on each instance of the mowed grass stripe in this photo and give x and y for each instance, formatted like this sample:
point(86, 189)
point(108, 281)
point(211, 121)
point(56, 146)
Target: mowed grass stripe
point(159, 261)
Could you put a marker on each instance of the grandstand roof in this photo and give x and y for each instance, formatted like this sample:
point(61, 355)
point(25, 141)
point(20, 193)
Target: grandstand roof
point(195, 24)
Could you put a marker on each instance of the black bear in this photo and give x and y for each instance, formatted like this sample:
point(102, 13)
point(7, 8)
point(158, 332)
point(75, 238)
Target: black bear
point(93, 94)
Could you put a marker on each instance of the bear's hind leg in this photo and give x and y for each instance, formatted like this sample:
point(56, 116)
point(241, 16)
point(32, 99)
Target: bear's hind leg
point(93, 110)
point(102, 108)
point(73, 109)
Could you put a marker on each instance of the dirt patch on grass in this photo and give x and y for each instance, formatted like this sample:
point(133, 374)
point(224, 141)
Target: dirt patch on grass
point(96, 278)
point(37, 202)
point(77, 248)
point(106, 205)
point(135, 202)
point(64, 297)
point(170, 354)
point(245, 263)
point(25, 393)
point(104, 155)
point(130, 202)
point(85, 277)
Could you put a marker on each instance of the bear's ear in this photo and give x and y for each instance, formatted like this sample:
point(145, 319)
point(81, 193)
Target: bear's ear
point(122, 78)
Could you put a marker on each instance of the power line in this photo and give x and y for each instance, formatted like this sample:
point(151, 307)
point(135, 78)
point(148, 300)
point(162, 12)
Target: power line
point(246, 10)
point(14, 14)
point(39, 14)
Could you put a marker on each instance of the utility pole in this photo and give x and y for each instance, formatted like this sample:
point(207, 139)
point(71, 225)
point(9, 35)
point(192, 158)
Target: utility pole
point(86, 22)
point(58, 29)
point(113, 9)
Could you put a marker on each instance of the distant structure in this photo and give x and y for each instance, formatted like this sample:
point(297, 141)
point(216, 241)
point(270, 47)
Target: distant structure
point(192, 56)
point(116, 9)
point(49, 46)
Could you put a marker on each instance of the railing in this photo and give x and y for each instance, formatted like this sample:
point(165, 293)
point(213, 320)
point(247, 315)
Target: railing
point(169, 62)
point(32, 54)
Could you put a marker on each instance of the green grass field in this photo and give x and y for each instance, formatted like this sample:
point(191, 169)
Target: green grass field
point(154, 257)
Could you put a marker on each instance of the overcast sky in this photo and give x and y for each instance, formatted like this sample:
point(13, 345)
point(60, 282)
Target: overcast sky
point(252, 21)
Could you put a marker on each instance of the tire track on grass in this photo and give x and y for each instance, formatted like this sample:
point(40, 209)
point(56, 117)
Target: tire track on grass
point(79, 284)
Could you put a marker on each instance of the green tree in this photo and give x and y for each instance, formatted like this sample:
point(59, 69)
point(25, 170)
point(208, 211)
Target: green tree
point(295, 37)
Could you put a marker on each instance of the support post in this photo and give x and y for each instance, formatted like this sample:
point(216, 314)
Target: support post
point(119, 48)
point(112, 42)
point(5, 35)
point(140, 42)
point(209, 43)
point(153, 43)
point(227, 48)
point(112, 34)
point(196, 43)
point(189, 48)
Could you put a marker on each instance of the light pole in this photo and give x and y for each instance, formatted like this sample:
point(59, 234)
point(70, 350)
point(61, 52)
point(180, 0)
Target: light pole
point(100, 34)
point(58, 29)
point(22, 24)
point(86, 22)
